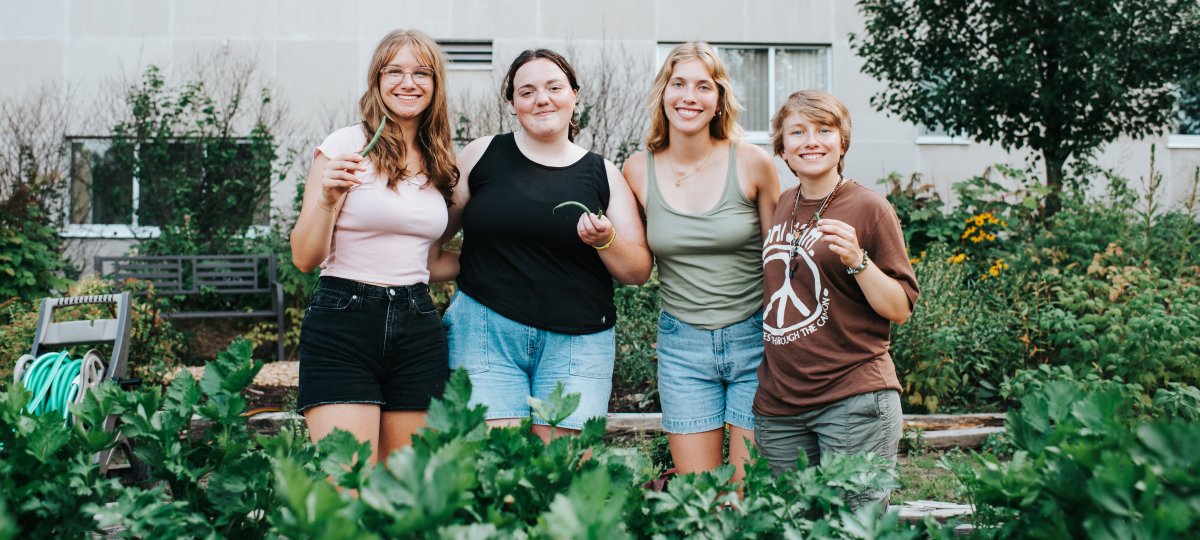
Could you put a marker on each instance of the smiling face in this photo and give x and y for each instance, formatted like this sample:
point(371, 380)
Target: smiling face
point(543, 99)
point(406, 84)
point(691, 97)
point(812, 149)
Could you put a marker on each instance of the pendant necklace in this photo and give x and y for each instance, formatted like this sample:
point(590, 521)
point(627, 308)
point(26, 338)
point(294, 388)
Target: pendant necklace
point(679, 179)
point(797, 229)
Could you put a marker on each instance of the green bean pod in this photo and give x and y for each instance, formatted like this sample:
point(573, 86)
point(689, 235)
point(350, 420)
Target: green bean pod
point(375, 139)
point(581, 206)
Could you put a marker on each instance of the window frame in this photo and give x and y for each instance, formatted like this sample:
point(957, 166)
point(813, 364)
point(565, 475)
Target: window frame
point(760, 136)
point(123, 231)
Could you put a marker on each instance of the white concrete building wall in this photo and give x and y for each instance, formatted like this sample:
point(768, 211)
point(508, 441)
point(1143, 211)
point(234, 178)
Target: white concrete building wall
point(314, 53)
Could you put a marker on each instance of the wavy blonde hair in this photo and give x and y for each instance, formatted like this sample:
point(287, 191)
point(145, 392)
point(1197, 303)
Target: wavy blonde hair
point(820, 107)
point(433, 131)
point(723, 126)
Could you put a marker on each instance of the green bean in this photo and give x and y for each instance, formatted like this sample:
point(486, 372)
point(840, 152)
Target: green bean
point(375, 139)
point(581, 206)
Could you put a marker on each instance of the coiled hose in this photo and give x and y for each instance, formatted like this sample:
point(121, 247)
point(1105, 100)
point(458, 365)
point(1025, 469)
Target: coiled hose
point(57, 381)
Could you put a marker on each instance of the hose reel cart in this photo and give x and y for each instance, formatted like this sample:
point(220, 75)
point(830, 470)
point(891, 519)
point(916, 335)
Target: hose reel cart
point(52, 335)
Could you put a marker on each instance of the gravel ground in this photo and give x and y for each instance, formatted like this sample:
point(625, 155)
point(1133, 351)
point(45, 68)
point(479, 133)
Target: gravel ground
point(272, 374)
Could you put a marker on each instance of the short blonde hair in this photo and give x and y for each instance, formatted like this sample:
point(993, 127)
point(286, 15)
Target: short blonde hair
point(818, 106)
point(723, 125)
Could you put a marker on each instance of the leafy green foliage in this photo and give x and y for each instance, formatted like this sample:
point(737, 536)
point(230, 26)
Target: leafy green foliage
point(991, 70)
point(218, 481)
point(46, 469)
point(636, 371)
point(1086, 467)
point(31, 263)
point(959, 339)
point(1110, 289)
point(202, 180)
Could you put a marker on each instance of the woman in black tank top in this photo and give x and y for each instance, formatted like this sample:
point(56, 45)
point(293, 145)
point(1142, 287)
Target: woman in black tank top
point(535, 299)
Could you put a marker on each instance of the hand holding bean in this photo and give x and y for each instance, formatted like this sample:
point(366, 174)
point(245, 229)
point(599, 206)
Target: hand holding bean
point(842, 240)
point(339, 177)
point(594, 230)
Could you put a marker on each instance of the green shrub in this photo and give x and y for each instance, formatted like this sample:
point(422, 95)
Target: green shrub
point(31, 263)
point(955, 350)
point(636, 369)
point(1086, 466)
point(46, 471)
point(1108, 286)
point(217, 484)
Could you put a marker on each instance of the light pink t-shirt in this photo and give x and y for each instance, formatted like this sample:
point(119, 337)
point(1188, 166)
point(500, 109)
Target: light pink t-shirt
point(382, 237)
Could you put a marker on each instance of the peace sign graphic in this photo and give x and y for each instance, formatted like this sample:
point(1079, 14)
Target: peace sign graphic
point(785, 303)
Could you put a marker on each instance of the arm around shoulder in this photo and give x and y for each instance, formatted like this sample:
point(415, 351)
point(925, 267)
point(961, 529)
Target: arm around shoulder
point(764, 178)
point(627, 257)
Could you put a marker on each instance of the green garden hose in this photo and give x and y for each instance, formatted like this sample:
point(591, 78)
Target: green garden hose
point(57, 381)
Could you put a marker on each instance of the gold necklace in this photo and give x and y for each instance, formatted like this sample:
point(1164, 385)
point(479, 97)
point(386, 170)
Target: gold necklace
point(679, 179)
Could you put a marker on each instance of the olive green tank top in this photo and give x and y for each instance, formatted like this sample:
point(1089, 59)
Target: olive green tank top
point(709, 263)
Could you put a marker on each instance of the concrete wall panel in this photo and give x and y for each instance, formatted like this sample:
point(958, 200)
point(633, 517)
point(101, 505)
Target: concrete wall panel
point(37, 20)
point(120, 19)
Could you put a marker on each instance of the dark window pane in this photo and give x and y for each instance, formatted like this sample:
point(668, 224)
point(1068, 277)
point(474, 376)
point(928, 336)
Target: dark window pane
point(101, 182)
point(799, 69)
point(748, 71)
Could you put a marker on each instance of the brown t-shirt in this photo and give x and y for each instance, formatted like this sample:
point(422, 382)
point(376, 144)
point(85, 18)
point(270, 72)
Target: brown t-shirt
point(823, 340)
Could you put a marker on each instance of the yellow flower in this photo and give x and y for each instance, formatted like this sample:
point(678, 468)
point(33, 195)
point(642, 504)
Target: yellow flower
point(957, 259)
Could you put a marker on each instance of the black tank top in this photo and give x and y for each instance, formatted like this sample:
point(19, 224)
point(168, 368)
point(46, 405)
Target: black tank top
point(521, 259)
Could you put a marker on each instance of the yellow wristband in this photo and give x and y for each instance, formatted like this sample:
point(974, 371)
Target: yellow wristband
point(605, 245)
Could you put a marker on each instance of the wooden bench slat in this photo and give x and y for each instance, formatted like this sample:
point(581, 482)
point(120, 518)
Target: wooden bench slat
point(230, 273)
point(206, 265)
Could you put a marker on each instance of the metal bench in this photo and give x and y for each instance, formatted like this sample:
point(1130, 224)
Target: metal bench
point(203, 274)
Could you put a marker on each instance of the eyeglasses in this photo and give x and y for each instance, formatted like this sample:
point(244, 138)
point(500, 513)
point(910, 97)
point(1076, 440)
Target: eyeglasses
point(420, 75)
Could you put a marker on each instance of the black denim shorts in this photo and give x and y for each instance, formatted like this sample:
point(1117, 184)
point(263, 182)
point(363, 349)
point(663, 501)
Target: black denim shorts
point(369, 344)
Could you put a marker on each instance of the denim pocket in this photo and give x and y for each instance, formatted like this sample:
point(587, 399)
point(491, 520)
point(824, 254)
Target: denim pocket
point(757, 320)
point(424, 304)
point(667, 324)
point(332, 300)
point(592, 355)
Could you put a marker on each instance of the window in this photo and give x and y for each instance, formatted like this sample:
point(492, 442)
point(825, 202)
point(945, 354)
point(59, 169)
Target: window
point(122, 189)
point(939, 136)
point(764, 76)
point(464, 54)
point(1187, 130)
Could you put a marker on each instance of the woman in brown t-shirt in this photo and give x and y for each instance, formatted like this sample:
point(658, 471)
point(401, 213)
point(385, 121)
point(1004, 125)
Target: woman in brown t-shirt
point(836, 274)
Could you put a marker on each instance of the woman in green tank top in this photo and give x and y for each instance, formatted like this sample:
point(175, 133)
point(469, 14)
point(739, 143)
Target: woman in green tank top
point(705, 198)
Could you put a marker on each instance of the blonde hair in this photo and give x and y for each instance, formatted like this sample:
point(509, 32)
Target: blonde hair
point(818, 106)
point(723, 125)
point(433, 131)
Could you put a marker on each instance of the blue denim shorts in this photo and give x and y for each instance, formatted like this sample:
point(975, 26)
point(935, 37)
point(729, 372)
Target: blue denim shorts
point(509, 361)
point(707, 378)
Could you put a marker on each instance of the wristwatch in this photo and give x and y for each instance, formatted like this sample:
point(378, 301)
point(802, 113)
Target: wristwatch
point(856, 269)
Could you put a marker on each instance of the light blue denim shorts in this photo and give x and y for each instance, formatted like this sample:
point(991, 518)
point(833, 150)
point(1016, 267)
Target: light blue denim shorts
point(509, 361)
point(707, 378)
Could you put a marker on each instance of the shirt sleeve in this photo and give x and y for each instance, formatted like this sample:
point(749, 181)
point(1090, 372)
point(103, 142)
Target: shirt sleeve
point(885, 246)
point(343, 141)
